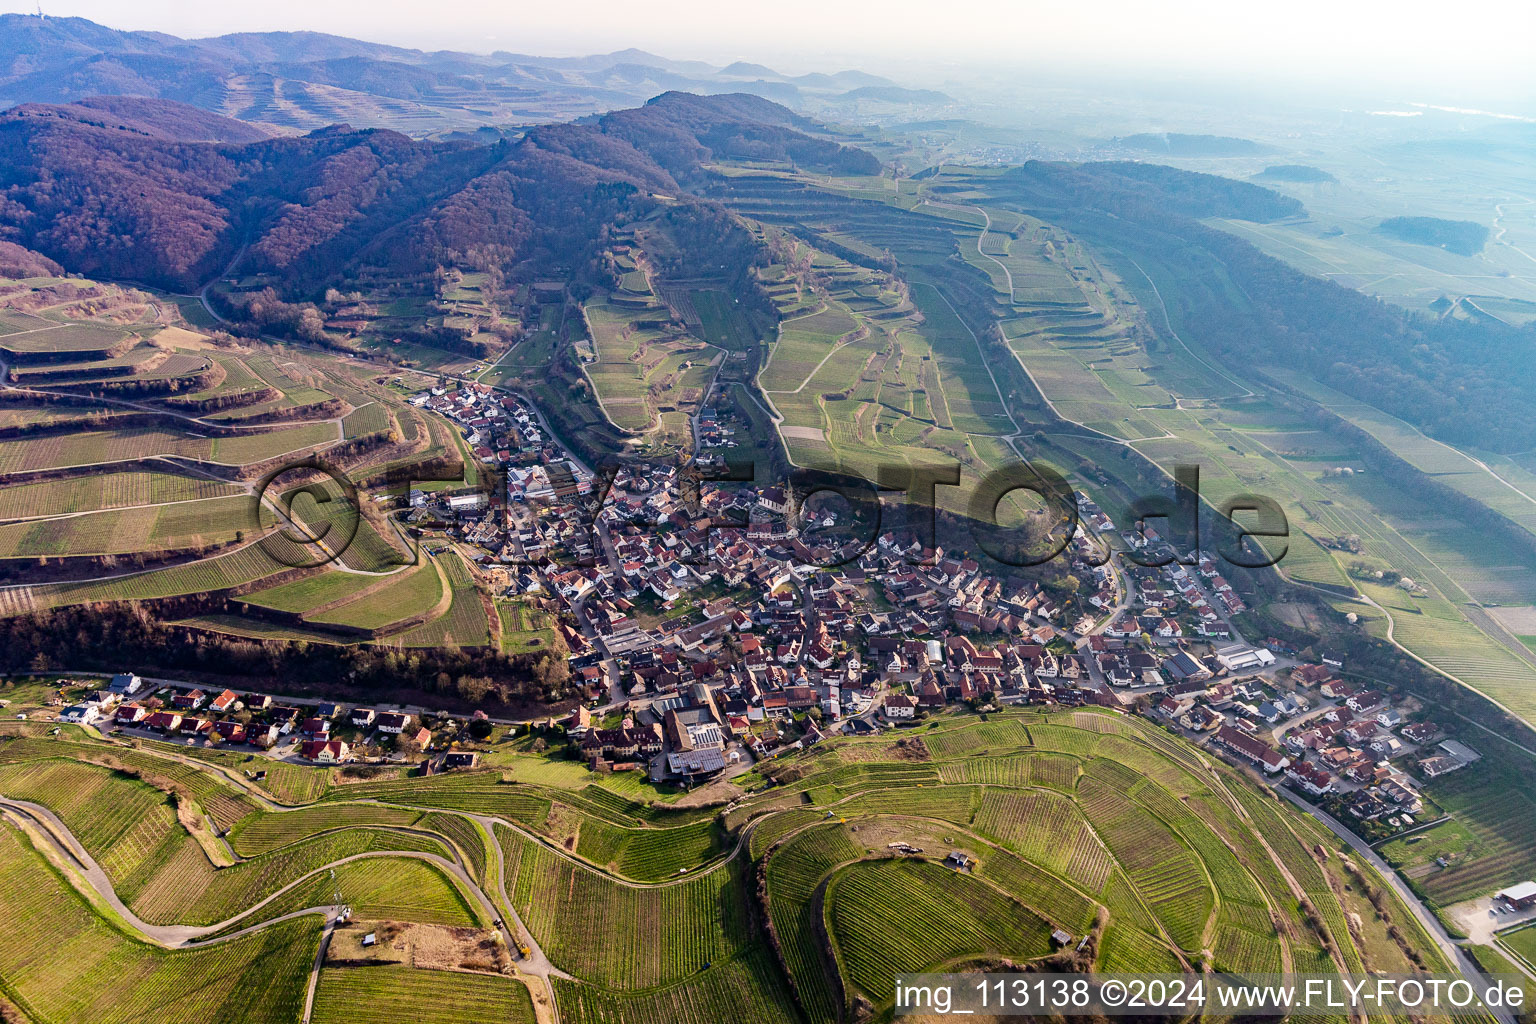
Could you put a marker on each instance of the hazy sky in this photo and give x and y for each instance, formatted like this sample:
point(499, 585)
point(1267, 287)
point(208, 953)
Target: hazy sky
point(1470, 47)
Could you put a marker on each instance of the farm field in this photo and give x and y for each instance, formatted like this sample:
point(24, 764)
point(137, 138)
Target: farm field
point(866, 375)
point(1085, 350)
point(525, 628)
point(644, 907)
point(1522, 943)
point(414, 591)
point(27, 334)
point(464, 624)
point(388, 993)
point(620, 936)
point(1410, 275)
point(745, 989)
point(123, 467)
point(874, 910)
point(383, 888)
point(916, 319)
point(1491, 841)
point(649, 375)
point(106, 491)
point(183, 985)
point(310, 592)
point(199, 523)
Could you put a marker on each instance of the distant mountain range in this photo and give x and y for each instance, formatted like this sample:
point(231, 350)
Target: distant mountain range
point(1177, 145)
point(306, 80)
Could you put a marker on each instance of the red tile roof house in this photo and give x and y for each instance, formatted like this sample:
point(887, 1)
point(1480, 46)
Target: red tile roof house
point(223, 702)
point(165, 721)
point(128, 714)
point(325, 751)
point(1262, 755)
point(189, 701)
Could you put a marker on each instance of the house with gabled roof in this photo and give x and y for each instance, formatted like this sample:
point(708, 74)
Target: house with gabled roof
point(325, 751)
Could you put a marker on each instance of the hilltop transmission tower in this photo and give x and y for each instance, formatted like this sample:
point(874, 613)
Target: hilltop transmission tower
point(342, 910)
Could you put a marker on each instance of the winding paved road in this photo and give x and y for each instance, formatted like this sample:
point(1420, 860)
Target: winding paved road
point(1436, 931)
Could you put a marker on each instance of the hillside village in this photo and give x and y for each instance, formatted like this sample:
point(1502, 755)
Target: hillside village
point(710, 632)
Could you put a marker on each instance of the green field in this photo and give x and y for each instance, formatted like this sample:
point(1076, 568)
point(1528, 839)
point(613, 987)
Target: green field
point(525, 628)
point(198, 523)
point(745, 990)
point(148, 982)
point(390, 993)
point(874, 909)
point(105, 491)
point(620, 936)
point(1086, 821)
point(464, 624)
point(1522, 943)
point(414, 591)
point(648, 375)
point(310, 592)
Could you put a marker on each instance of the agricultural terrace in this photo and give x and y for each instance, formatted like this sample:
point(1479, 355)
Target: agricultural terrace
point(870, 374)
point(1086, 821)
point(465, 623)
point(215, 983)
point(389, 993)
point(1103, 364)
point(134, 476)
point(649, 373)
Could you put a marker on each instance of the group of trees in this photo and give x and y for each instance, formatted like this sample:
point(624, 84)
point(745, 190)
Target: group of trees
point(109, 637)
point(1463, 237)
point(266, 313)
point(680, 131)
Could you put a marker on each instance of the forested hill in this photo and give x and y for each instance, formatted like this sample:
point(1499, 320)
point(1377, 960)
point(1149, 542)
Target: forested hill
point(106, 190)
point(1465, 382)
point(1151, 190)
point(681, 131)
point(1463, 237)
point(158, 119)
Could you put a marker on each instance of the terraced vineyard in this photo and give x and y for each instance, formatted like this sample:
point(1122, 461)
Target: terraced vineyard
point(389, 993)
point(874, 910)
point(133, 451)
point(1086, 821)
point(149, 982)
point(623, 936)
point(649, 372)
point(746, 989)
point(381, 888)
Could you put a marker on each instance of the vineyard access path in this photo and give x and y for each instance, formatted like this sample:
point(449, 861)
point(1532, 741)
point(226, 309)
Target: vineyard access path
point(46, 825)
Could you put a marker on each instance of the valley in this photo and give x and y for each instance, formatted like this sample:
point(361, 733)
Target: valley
point(592, 540)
